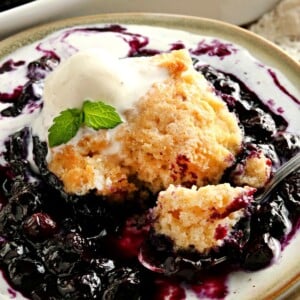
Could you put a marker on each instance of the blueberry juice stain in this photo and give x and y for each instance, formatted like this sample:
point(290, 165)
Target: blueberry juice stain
point(59, 246)
point(10, 65)
point(31, 92)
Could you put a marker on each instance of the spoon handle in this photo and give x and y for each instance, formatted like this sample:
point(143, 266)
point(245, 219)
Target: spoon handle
point(290, 166)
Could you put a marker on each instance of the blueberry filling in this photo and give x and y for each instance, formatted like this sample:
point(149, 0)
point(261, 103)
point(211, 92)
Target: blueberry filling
point(32, 89)
point(59, 246)
point(60, 253)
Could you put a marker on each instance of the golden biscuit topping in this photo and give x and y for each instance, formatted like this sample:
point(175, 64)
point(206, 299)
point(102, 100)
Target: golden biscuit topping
point(179, 132)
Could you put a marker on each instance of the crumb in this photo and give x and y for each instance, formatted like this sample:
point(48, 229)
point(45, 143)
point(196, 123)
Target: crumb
point(255, 171)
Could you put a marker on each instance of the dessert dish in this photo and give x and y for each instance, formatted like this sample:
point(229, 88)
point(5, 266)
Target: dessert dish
point(164, 197)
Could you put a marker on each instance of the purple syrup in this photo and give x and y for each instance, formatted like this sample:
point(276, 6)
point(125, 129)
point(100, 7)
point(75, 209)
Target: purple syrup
point(12, 97)
point(280, 110)
point(180, 171)
point(38, 70)
point(214, 48)
point(271, 102)
point(10, 65)
point(212, 287)
point(49, 54)
point(228, 85)
point(33, 106)
point(177, 46)
point(136, 42)
point(110, 28)
point(32, 89)
point(291, 234)
point(237, 204)
point(168, 289)
point(221, 232)
point(128, 243)
point(145, 52)
point(281, 87)
point(12, 293)
point(67, 33)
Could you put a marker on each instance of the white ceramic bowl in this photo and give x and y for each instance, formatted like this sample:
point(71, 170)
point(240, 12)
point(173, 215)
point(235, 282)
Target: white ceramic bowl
point(265, 284)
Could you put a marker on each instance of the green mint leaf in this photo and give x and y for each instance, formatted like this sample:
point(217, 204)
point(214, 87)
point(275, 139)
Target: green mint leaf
point(65, 127)
point(98, 115)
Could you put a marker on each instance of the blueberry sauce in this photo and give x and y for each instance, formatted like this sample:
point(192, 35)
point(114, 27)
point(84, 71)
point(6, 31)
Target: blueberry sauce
point(136, 42)
point(211, 287)
point(12, 97)
point(221, 232)
point(236, 204)
point(180, 171)
point(11, 293)
point(10, 65)
point(281, 87)
point(31, 91)
point(59, 246)
point(168, 289)
point(177, 46)
point(215, 48)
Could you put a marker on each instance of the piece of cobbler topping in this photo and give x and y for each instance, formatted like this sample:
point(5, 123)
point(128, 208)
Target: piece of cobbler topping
point(200, 218)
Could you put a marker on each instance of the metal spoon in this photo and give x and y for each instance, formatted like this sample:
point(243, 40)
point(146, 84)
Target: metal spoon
point(286, 169)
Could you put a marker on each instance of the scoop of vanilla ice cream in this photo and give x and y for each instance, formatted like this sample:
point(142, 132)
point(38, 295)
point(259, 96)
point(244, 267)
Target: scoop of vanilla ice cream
point(92, 74)
point(96, 75)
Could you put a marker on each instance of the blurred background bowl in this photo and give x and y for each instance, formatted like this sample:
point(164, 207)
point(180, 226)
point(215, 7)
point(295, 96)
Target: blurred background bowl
point(238, 12)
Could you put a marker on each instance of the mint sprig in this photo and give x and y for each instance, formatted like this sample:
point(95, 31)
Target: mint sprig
point(65, 127)
point(96, 115)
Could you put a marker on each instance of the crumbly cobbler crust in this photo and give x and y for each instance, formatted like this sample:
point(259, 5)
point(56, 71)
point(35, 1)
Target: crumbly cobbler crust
point(180, 132)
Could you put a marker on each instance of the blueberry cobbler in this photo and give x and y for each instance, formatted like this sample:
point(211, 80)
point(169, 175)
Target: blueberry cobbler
point(130, 164)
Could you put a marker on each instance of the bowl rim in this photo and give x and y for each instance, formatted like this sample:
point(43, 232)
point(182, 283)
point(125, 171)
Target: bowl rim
point(140, 18)
point(257, 45)
point(204, 26)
